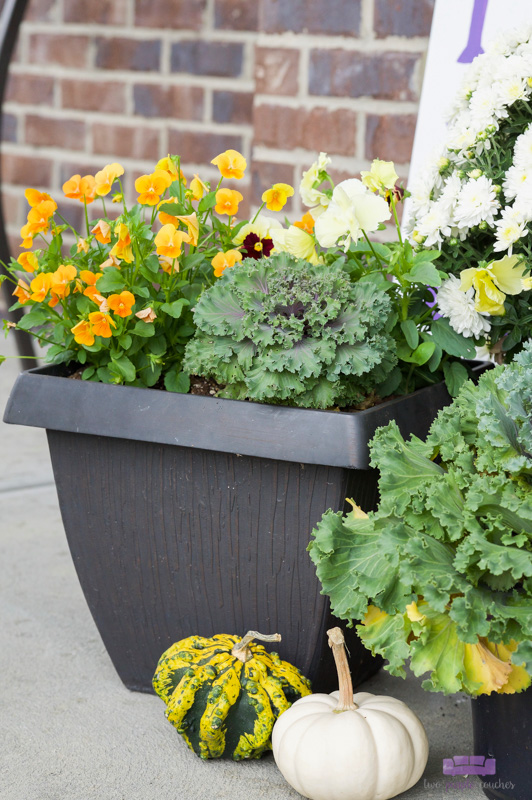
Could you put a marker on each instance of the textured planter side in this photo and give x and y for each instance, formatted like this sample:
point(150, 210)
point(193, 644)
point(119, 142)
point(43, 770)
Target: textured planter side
point(502, 729)
point(192, 515)
point(171, 541)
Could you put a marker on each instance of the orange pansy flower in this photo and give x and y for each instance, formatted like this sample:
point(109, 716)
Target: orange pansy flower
point(22, 292)
point(93, 294)
point(112, 261)
point(27, 234)
point(101, 324)
point(222, 261)
point(82, 189)
point(34, 197)
point(122, 249)
point(198, 188)
point(28, 261)
point(105, 178)
point(83, 333)
point(169, 166)
point(121, 304)
point(169, 265)
point(169, 241)
point(306, 223)
point(39, 215)
point(151, 187)
point(82, 246)
point(102, 232)
point(61, 278)
point(89, 277)
point(40, 286)
point(227, 201)
point(231, 164)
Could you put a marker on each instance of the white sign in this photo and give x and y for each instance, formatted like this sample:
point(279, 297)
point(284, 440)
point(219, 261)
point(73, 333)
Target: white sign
point(460, 31)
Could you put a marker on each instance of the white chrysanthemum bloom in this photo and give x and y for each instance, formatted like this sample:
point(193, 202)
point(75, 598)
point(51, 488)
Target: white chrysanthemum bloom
point(462, 139)
point(516, 181)
point(523, 149)
point(309, 195)
point(459, 308)
point(434, 225)
point(485, 105)
point(477, 203)
point(295, 241)
point(509, 229)
point(511, 90)
point(262, 227)
point(450, 193)
point(353, 209)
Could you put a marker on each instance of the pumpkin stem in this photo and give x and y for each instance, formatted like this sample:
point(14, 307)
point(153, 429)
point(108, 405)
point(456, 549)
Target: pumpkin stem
point(345, 699)
point(241, 649)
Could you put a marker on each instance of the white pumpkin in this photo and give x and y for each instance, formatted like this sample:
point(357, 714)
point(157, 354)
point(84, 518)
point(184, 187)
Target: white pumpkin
point(332, 747)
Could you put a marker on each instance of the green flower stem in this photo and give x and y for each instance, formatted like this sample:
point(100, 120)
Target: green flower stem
point(69, 226)
point(397, 225)
point(123, 195)
point(104, 208)
point(258, 212)
point(379, 261)
point(86, 215)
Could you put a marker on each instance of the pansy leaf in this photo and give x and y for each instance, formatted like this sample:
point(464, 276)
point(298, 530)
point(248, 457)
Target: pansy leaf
point(174, 309)
point(451, 342)
point(423, 272)
point(112, 280)
point(207, 202)
point(176, 381)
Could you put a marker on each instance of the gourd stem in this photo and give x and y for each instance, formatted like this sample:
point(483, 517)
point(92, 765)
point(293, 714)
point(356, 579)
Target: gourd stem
point(345, 685)
point(241, 649)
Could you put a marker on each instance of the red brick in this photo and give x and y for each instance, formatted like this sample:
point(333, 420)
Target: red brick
point(235, 107)
point(73, 212)
point(236, 15)
point(119, 141)
point(40, 10)
point(26, 170)
point(54, 48)
point(30, 89)
point(54, 132)
point(390, 137)
point(106, 12)
point(343, 73)
point(128, 54)
point(9, 128)
point(276, 71)
point(69, 168)
point(220, 59)
point(341, 17)
point(174, 14)
point(313, 129)
point(200, 148)
point(154, 100)
point(15, 249)
point(264, 174)
point(109, 96)
point(403, 17)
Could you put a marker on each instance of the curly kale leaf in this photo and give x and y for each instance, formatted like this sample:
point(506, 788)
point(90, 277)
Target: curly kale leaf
point(312, 338)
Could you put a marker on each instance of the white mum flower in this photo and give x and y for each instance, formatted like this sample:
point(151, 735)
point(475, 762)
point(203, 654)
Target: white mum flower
point(459, 308)
point(434, 225)
point(477, 203)
point(509, 229)
point(517, 180)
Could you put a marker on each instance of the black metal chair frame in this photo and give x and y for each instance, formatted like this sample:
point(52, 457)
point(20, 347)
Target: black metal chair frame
point(10, 20)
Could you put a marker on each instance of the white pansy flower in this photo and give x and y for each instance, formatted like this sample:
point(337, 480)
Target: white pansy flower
point(353, 209)
point(459, 308)
point(309, 195)
point(295, 241)
point(477, 203)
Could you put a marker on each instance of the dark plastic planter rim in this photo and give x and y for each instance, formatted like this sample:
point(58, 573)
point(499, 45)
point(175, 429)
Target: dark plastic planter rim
point(44, 398)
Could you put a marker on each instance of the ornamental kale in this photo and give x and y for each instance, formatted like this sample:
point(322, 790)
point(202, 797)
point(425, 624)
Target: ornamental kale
point(281, 330)
point(441, 573)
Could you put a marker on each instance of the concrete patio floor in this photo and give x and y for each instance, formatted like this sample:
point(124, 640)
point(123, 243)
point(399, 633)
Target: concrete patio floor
point(69, 730)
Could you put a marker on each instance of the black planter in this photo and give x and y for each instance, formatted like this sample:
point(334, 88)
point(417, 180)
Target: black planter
point(502, 729)
point(192, 514)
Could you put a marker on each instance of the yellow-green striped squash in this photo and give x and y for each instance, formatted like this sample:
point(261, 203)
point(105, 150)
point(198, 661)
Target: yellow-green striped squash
point(224, 694)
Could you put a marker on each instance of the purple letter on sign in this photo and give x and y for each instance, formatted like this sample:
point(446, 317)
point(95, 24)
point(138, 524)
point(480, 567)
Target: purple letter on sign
point(474, 44)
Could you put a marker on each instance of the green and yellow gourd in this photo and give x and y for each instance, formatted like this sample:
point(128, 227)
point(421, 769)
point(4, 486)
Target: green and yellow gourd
point(224, 694)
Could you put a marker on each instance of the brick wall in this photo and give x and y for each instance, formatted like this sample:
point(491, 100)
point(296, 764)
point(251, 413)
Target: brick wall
point(279, 80)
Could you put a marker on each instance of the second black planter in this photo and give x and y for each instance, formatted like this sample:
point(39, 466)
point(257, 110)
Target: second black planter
point(502, 729)
point(192, 515)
